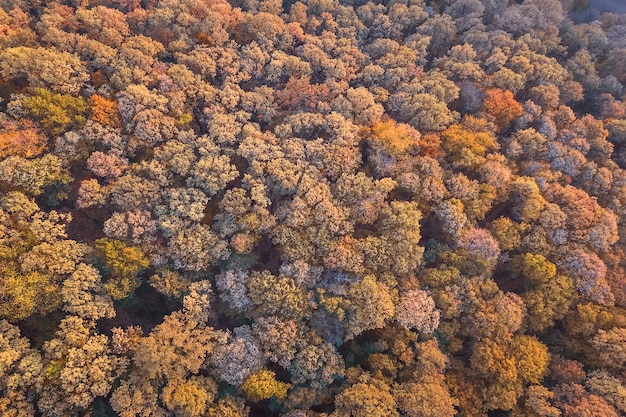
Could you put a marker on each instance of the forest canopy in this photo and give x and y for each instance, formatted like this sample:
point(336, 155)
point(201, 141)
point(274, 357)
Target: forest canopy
point(312, 208)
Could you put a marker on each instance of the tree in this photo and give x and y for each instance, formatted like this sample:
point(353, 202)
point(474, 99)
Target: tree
point(481, 246)
point(196, 248)
point(493, 313)
point(573, 400)
point(610, 346)
point(466, 13)
point(371, 306)
point(359, 106)
point(602, 383)
point(273, 295)
point(394, 137)
point(442, 30)
point(278, 339)
point(15, 28)
point(110, 165)
point(212, 173)
point(466, 144)
point(537, 402)
point(589, 275)
point(263, 385)
point(55, 112)
point(20, 372)
point(104, 111)
point(317, 364)
point(425, 112)
point(61, 72)
point(189, 398)
point(239, 358)
point(500, 107)
point(33, 175)
point(362, 195)
point(78, 366)
point(416, 310)
point(135, 226)
point(367, 397)
point(21, 138)
point(422, 399)
point(166, 367)
point(530, 202)
point(531, 357)
point(398, 243)
point(459, 63)
point(35, 257)
point(170, 283)
point(493, 362)
point(123, 263)
point(451, 213)
point(548, 302)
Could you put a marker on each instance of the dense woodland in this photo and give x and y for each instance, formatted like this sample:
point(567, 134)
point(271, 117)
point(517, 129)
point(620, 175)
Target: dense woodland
point(313, 208)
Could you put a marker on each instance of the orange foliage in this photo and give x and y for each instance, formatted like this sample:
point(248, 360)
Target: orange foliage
point(395, 137)
point(300, 94)
point(501, 107)
point(430, 145)
point(204, 39)
point(21, 138)
point(104, 111)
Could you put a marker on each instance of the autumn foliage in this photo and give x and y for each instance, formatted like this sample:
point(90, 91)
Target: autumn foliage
point(220, 208)
point(104, 111)
point(501, 107)
point(21, 138)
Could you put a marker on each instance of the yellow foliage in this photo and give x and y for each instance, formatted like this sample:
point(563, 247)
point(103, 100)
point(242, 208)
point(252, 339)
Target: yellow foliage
point(121, 260)
point(467, 142)
point(334, 305)
point(531, 357)
point(440, 276)
point(507, 233)
point(186, 399)
point(56, 112)
point(24, 294)
point(123, 263)
point(53, 371)
point(184, 119)
point(13, 250)
point(119, 288)
point(263, 385)
point(536, 268)
point(170, 283)
point(548, 302)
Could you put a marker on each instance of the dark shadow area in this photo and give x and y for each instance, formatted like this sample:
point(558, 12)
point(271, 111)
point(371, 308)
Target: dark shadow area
point(145, 308)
